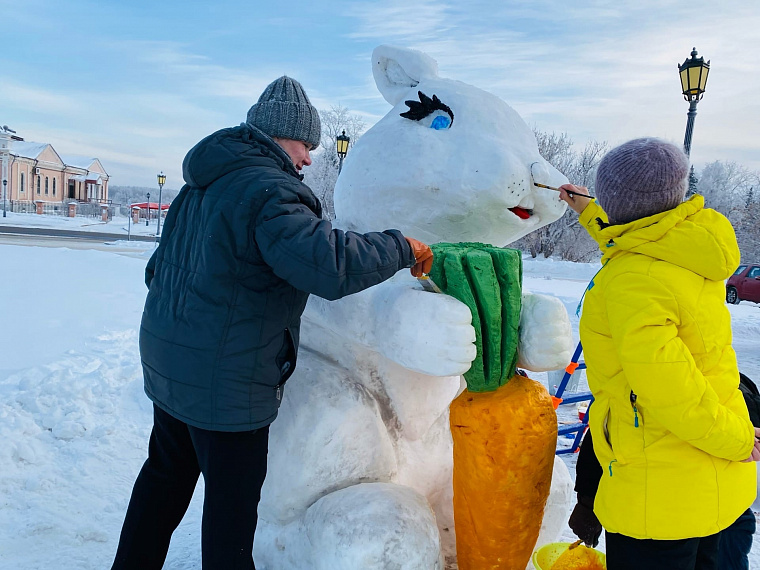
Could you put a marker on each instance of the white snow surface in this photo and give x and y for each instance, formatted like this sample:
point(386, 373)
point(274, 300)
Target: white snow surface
point(119, 226)
point(74, 421)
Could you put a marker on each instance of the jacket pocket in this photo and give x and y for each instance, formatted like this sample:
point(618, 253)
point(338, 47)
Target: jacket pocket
point(626, 429)
point(600, 428)
point(286, 361)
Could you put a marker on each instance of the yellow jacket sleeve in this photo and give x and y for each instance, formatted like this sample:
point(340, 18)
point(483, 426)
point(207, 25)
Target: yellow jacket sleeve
point(588, 219)
point(643, 316)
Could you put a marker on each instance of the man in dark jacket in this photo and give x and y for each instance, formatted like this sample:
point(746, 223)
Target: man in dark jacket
point(243, 246)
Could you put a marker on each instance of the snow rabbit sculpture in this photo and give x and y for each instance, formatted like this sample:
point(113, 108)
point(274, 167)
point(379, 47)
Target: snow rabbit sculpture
point(360, 457)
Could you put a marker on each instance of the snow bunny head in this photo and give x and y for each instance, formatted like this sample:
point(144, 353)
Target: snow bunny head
point(450, 162)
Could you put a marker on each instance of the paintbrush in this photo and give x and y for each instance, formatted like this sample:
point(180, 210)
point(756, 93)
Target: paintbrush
point(568, 191)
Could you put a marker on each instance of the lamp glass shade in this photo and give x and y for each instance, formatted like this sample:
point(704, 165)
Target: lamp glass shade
point(685, 80)
point(161, 179)
point(341, 145)
point(693, 73)
point(703, 78)
point(694, 82)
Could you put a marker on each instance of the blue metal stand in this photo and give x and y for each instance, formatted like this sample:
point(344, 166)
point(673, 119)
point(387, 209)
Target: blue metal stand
point(580, 428)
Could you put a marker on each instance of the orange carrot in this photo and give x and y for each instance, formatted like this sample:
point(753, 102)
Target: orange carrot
point(504, 444)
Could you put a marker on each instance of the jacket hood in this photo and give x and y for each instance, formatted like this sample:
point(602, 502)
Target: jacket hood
point(689, 236)
point(231, 149)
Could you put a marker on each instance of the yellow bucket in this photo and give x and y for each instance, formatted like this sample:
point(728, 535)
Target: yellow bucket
point(545, 557)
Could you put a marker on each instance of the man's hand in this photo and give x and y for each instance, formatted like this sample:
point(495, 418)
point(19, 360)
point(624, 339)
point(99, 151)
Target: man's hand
point(423, 256)
point(576, 202)
point(584, 523)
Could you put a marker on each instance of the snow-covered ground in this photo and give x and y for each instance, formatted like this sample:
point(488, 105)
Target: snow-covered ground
point(74, 421)
point(119, 225)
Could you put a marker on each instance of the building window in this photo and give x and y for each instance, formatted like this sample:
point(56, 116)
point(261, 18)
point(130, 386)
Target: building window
point(38, 184)
point(53, 186)
point(21, 183)
point(47, 184)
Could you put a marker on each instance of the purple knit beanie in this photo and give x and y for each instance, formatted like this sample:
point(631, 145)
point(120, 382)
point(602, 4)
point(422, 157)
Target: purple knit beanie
point(641, 178)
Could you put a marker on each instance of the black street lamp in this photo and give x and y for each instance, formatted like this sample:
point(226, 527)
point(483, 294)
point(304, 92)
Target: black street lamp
point(341, 146)
point(5, 186)
point(147, 216)
point(693, 74)
point(161, 181)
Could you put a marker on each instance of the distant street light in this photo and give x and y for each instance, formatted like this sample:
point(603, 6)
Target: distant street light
point(5, 147)
point(693, 74)
point(161, 181)
point(147, 217)
point(341, 145)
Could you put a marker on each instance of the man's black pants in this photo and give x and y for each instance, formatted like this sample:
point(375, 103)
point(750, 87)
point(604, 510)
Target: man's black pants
point(233, 464)
point(626, 553)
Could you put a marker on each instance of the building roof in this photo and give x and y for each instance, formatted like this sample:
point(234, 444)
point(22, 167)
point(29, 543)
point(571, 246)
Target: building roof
point(77, 161)
point(27, 149)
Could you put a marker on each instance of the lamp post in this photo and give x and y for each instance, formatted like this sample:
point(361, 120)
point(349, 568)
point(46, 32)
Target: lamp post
point(147, 216)
point(693, 74)
point(5, 147)
point(161, 181)
point(341, 145)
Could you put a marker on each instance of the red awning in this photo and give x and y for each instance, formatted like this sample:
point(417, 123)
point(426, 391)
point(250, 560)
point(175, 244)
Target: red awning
point(153, 205)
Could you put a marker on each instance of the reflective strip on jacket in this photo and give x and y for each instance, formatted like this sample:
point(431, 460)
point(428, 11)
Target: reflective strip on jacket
point(669, 423)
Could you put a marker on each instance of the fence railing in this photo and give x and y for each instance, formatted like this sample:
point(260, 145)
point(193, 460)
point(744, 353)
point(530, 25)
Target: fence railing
point(84, 209)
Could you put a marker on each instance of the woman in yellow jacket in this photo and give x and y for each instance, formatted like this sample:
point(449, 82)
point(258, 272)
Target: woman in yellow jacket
point(670, 426)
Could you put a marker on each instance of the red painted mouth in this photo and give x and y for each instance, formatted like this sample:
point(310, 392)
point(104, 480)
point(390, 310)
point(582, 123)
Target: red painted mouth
point(521, 213)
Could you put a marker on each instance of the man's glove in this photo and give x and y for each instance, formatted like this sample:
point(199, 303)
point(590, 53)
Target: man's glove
point(423, 256)
point(584, 523)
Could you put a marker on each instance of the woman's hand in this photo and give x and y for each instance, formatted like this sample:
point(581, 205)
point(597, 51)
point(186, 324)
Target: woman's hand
point(576, 202)
point(755, 455)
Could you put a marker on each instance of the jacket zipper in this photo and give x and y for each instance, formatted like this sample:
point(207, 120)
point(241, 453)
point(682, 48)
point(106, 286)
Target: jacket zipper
point(588, 288)
point(635, 410)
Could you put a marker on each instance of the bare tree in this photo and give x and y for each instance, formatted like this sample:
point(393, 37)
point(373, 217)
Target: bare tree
point(322, 175)
point(556, 149)
point(725, 186)
point(565, 237)
point(335, 120)
point(732, 189)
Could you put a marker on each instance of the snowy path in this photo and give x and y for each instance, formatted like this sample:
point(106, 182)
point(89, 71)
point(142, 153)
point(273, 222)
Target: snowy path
point(74, 421)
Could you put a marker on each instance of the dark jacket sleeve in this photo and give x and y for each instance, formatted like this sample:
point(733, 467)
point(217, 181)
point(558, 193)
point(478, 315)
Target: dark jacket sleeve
point(588, 471)
point(751, 397)
point(314, 257)
point(171, 219)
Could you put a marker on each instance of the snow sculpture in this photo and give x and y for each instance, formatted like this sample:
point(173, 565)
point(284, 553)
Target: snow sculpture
point(360, 462)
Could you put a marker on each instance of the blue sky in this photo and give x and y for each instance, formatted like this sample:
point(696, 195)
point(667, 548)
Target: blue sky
point(138, 83)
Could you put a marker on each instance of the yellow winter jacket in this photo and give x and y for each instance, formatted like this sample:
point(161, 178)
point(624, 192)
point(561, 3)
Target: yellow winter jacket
point(670, 426)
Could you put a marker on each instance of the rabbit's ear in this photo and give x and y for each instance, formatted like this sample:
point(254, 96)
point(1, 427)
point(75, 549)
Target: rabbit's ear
point(397, 70)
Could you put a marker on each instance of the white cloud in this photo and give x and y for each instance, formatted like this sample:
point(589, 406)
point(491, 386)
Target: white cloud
point(605, 70)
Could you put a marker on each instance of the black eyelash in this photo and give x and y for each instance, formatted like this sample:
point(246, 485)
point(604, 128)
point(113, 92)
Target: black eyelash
point(418, 110)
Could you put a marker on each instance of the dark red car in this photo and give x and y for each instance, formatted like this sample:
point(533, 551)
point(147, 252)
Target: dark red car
point(744, 284)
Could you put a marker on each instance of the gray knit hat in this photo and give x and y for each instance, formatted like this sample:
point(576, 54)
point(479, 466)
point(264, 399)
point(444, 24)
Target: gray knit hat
point(641, 178)
point(284, 111)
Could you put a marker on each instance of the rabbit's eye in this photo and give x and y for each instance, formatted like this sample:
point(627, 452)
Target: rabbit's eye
point(440, 122)
point(431, 112)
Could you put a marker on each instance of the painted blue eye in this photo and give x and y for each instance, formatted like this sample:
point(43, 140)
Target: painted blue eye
point(440, 123)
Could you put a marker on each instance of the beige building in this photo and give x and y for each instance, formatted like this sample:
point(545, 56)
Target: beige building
point(36, 172)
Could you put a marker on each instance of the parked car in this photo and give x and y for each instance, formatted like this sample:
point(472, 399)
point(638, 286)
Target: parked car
point(744, 284)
